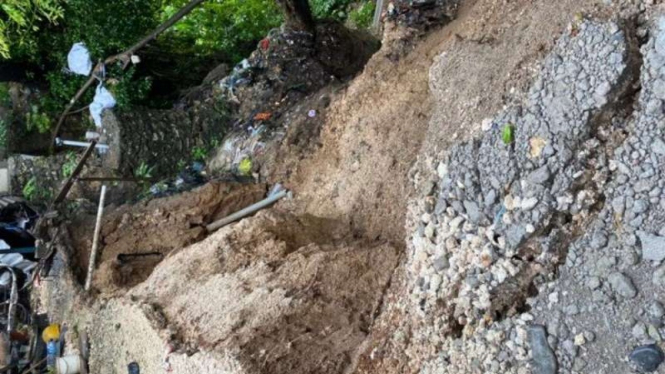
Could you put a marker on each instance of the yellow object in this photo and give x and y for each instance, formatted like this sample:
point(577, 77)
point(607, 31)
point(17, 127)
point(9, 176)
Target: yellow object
point(52, 332)
point(245, 166)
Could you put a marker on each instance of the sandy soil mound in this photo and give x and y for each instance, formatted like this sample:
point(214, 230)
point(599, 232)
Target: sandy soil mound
point(156, 228)
point(272, 294)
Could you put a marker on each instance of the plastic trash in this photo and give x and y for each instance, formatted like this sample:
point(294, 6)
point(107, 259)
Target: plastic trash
point(133, 368)
point(78, 59)
point(51, 354)
point(103, 100)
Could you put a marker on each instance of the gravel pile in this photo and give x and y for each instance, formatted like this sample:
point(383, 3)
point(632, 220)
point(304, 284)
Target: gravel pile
point(538, 246)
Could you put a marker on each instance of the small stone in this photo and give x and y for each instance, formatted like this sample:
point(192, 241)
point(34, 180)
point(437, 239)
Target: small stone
point(472, 211)
point(487, 257)
point(639, 331)
point(570, 348)
point(529, 203)
point(589, 336)
point(571, 310)
point(593, 283)
point(658, 277)
point(579, 339)
point(539, 176)
point(429, 231)
point(442, 170)
point(536, 146)
point(655, 309)
point(658, 146)
point(441, 263)
point(653, 333)
point(622, 285)
point(435, 282)
point(653, 247)
point(647, 358)
point(543, 359)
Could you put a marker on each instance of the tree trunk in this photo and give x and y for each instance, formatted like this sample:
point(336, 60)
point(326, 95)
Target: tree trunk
point(297, 15)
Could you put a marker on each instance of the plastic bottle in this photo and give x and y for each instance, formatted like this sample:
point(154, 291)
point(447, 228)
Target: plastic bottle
point(51, 354)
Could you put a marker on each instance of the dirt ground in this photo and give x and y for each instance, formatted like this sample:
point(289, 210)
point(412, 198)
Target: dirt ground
point(155, 228)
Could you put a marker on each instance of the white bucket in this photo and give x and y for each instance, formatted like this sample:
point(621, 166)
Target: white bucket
point(69, 364)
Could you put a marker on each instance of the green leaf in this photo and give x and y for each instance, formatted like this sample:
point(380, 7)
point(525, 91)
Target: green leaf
point(507, 133)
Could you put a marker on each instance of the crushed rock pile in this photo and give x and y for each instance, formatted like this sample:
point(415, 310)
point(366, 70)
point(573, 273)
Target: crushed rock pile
point(538, 252)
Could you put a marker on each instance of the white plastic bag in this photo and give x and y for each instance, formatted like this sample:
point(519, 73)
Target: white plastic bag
point(78, 59)
point(103, 100)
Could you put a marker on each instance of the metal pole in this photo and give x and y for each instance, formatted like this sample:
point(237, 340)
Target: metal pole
point(95, 239)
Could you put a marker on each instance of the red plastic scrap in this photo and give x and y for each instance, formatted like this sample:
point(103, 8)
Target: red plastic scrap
point(262, 116)
point(265, 44)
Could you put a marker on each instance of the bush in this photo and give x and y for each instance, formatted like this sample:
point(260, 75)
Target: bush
point(229, 28)
point(330, 9)
point(21, 21)
point(362, 16)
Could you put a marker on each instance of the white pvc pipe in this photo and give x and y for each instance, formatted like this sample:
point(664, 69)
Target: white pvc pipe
point(246, 212)
point(75, 143)
point(95, 239)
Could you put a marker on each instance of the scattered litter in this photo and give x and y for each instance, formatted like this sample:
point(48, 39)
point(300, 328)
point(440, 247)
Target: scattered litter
point(136, 59)
point(133, 368)
point(70, 364)
point(245, 166)
point(103, 100)
point(265, 44)
point(78, 60)
point(190, 177)
point(264, 116)
point(647, 358)
point(311, 113)
point(238, 147)
point(507, 133)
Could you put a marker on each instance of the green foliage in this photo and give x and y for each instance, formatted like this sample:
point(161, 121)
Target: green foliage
point(362, 16)
point(126, 88)
point(230, 28)
point(71, 160)
point(32, 191)
point(5, 97)
point(21, 21)
point(199, 153)
point(108, 27)
point(3, 134)
point(507, 134)
point(330, 9)
point(35, 119)
point(143, 171)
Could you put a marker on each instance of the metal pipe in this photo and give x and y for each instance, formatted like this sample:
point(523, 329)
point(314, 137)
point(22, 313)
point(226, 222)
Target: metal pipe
point(74, 143)
point(246, 212)
point(95, 239)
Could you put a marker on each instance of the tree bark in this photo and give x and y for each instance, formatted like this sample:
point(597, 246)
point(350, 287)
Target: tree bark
point(297, 15)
